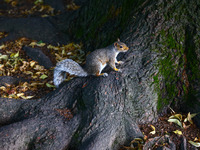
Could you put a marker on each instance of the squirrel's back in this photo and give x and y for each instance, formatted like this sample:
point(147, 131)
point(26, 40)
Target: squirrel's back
point(98, 59)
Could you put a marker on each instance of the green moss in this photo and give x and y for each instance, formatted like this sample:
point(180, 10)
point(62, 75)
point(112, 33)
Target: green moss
point(170, 67)
point(76, 136)
point(178, 66)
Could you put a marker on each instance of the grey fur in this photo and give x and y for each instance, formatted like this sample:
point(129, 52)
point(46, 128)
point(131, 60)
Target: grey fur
point(67, 65)
point(95, 63)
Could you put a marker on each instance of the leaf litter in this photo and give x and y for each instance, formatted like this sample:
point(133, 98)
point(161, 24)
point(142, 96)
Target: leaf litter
point(163, 127)
point(38, 80)
point(23, 8)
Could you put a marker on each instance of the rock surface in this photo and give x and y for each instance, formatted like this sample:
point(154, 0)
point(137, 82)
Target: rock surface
point(37, 55)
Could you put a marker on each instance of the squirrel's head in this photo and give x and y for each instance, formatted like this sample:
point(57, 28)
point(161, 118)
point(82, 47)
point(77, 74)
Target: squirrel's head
point(120, 46)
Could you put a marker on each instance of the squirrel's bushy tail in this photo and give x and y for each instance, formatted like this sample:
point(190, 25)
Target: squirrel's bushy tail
point(67, 65)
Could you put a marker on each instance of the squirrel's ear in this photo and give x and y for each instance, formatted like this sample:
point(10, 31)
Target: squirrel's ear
point(118, 40)
point(115, 44)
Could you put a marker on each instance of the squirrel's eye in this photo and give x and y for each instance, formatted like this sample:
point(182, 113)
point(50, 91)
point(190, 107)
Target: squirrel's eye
point(121, 46)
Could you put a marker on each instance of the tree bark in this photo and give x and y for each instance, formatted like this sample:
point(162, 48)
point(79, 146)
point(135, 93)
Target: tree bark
point(106, 110)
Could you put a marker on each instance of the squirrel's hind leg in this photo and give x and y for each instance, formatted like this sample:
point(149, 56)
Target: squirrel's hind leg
point(100, 68)
point(59, 77)
point(102, 74)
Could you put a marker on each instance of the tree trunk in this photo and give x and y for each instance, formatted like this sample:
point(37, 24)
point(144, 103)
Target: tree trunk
point(103, 112)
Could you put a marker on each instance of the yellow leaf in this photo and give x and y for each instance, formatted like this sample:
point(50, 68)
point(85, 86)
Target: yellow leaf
point(45, 15)
point(52, 47)
point(196, 144)
point(16, 55)
point(178, 132)
point(12, 96)
point(175, 121)
point(3, 88)
point(70, 45)
point(189, 117)
point(2, 46)
point(38, 67)
point(28, 72)
point(1, 67)
point(20, 94)
point(44, 76)
point(38, 2)
point(58, 57)
point(137, 140)
point(186, 126)
point(72, 6)
point(63, 52)
point(42, 8)
point(193, 115)
point(32, 44)
point(49, 85)
point(153, 127)
point(14, 3)
point(176, 116)
point(5, 57)
point(154, 130)
point(27, 97)
point(32, 63)
point(69, 53)
point(41, 44)
point(7, 85)
point(34, 77)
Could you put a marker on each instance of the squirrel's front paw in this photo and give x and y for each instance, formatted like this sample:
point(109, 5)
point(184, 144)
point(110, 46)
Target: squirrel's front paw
point(105, 75)
point(120, 62)
point(119, 70)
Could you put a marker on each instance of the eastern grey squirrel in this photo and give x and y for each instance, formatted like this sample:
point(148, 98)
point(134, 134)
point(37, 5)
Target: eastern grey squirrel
point(95, 63)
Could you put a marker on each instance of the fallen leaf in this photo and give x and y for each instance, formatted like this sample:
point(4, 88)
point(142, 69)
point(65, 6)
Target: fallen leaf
point(49, 85)
point(32, 44)
point(32, 63)
point(43, 76)
point(154, 130)
point(16, 55)
point(5, 57)
point(189, 117)
point(41, 44)
point(176, 116)
point(28, 72)
point(2, 46)
point(1, 67)
point(3, 88)
point(27, 97)
point(196, 144)
point(176, 121)
point(178, 132)
point(20, 94)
